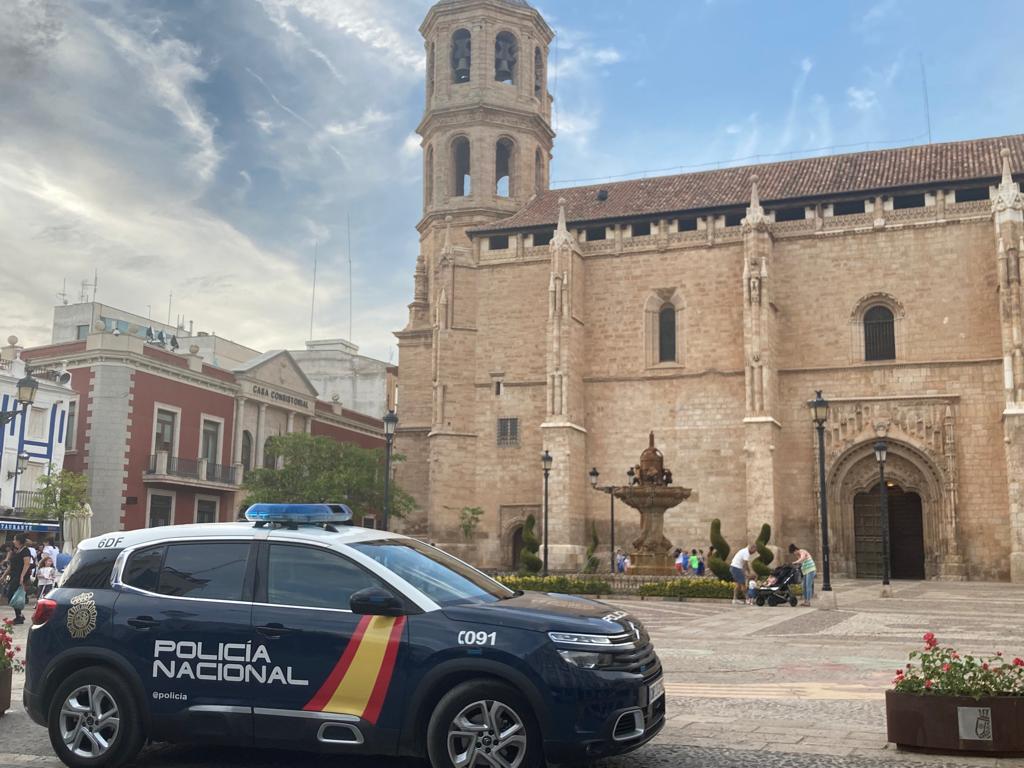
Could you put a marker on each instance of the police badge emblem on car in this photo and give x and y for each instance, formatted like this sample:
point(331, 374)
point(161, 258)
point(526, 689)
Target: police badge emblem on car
point(82, 615)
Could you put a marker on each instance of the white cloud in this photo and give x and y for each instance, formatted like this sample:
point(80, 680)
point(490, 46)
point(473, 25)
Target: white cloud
point(806, 65)
point(861, 99)
point(411, 146)
point(365, 21)
point(368, 119)
point(170, 68)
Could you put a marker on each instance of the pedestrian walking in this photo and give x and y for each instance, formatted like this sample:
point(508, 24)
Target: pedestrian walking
point(739, 569)
point(50, 550)
point(701, 563)
point(807, 569)
point(694, 562)
point(679, 561)
point(20, 567)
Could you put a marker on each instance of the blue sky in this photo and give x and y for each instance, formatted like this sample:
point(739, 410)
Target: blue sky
point(207, 147)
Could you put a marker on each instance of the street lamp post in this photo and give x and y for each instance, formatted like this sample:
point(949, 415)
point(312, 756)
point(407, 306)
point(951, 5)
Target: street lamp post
point(390, 422)
point(546, 462)
point(881, 450)
point(819, 413)
point(26, 395)
point(610, 490)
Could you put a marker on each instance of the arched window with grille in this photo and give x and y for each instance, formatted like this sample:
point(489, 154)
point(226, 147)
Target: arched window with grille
point(879, 334)
point(462, 55)
point(667, 334)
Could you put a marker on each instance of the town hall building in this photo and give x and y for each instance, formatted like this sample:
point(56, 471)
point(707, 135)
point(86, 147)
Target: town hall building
point(708, 307)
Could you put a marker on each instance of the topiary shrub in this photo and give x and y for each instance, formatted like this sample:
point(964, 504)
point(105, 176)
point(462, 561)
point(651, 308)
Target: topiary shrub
point(529, 562)
point(762, 564)
point(592, 562)
point(718, 561)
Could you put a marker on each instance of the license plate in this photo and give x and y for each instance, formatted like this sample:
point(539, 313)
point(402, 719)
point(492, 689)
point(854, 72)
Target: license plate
point(656, 690)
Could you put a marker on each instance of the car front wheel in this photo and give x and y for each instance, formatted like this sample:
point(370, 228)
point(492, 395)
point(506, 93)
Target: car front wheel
point(483, 723)
point(92, 720)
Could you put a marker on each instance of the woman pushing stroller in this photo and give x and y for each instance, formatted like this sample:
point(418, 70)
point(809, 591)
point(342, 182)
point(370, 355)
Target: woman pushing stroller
point(808, 570)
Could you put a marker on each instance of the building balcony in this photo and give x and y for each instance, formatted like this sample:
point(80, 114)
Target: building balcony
point(196, 473)
point(28, 502)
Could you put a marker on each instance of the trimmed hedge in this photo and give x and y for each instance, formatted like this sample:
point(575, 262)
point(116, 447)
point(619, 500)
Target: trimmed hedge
point(568, 585)
point(711, 588)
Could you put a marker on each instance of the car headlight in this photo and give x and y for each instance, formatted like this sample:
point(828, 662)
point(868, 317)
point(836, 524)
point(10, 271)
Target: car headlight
point(575, 638)
point(587, 659)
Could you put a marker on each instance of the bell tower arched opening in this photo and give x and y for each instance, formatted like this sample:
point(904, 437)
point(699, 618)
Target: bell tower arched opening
point(503, 152)
point(462, 56)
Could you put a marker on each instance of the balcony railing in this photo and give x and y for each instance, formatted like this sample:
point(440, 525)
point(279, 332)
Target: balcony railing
point(221, 473)
point(199, 471)
point(28, 501)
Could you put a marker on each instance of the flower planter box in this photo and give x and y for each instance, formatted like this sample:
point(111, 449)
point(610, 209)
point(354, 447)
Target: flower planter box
point(990, 725)
point(6, 678)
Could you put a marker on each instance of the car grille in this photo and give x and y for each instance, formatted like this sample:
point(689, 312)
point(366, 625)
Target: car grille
point(635, 655)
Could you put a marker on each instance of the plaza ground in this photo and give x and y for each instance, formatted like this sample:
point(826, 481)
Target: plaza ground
point(746, 686)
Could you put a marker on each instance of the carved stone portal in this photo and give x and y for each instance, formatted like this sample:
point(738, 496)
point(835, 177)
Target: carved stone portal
point(651, 494)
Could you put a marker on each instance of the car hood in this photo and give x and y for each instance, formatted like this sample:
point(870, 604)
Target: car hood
point(547, 612)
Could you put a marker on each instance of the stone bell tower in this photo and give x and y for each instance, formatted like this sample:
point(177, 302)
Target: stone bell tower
point(487, 124)
point(487, 140)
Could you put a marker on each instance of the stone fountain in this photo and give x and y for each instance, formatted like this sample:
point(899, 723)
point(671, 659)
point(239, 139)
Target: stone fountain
point(651, 493)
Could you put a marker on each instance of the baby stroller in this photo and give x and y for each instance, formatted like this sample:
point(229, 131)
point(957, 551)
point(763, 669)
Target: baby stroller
point(778, 592)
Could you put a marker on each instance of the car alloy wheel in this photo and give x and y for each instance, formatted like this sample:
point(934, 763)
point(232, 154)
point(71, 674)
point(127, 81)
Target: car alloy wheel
point(89, 721)
point(487, 733)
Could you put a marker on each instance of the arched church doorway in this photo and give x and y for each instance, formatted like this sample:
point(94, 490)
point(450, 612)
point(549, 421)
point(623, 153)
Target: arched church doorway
point(517, 546)
point(906, 534)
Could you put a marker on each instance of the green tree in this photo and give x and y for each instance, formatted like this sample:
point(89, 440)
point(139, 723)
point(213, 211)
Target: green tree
point(528, 560)
point(762, 563)
point(469, 519)
point(592, 562)
point(718, 561)
point(60, 493)
point(318, 469)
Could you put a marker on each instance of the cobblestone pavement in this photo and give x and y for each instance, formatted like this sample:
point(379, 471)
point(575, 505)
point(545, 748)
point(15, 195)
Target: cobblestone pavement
point(767, 686)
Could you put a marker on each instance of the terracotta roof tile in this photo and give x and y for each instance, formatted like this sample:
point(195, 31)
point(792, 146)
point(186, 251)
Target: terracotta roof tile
point(793, 179)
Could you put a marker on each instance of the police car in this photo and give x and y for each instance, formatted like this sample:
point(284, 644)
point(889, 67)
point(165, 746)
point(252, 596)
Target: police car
point(296, 630)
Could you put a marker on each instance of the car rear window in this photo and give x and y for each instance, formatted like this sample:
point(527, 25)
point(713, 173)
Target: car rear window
point(90, 569)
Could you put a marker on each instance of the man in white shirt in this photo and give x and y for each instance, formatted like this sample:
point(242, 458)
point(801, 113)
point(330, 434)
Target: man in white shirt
point(50, 550)
point(739, 568)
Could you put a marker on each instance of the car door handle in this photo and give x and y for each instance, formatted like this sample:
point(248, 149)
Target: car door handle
point(273, 631)
point(143, 622)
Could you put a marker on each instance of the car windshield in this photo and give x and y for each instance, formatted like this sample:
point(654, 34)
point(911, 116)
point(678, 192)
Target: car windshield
point(439, 576)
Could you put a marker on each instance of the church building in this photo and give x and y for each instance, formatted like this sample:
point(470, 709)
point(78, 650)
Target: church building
point(710, 308)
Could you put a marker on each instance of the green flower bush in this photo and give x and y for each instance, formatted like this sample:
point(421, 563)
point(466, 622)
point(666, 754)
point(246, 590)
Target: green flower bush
point(942, 670)
point(713, 588)
point(567, 585)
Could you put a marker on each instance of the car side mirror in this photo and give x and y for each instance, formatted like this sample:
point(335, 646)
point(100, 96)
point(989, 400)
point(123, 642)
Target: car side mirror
point(374, 601)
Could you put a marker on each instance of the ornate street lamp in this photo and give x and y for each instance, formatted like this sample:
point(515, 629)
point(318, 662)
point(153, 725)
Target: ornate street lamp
point(390, 422)
point(546, 462)
point(819, 414)
point(881, 451)
point(609, 489)
point(26, 395)
point(19, 467)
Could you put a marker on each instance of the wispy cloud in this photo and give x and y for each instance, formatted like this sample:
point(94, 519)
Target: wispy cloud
point(171, 69)
point(861, 99)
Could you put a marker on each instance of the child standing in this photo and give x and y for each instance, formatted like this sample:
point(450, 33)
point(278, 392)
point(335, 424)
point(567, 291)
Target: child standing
point(46, 575)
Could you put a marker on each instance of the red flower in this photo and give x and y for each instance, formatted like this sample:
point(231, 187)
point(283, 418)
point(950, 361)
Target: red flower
point(985, 666)
point(927, 683)
point(17, 648)
point(945, 667)
point(929, 640)
point(999, 653)
point(1018, 662)
point(10, 654)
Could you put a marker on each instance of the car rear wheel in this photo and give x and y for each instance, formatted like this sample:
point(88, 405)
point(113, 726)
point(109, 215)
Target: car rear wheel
point(483, 723)
point(92, 720)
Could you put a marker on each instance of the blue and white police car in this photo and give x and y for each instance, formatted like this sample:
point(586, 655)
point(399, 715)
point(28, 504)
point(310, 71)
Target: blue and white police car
point(296, 630)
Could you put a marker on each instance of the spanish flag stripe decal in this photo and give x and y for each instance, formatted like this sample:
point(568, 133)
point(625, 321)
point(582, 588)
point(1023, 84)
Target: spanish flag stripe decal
point(380, 688)
point(320, 699)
